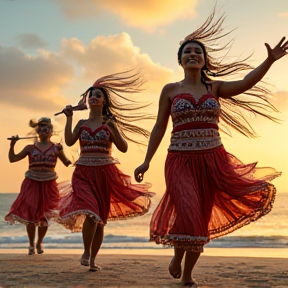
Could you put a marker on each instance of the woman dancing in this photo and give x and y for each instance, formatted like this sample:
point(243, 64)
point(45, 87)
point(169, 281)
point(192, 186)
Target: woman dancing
point(39, 194)
point(100, 191)
point(209, 192)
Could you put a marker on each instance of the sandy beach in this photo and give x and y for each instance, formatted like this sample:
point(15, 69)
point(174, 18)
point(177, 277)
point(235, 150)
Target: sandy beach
point(123, 270)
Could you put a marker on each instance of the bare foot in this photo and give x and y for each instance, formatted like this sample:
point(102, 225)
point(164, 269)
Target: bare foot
point(84, 260)
point(191, 283)
point(39, 248)
point(175, 269)
point(31, 250)
point(93, 267)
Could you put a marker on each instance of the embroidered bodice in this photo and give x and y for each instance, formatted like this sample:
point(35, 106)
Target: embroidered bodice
point(195, 123)
point(95, 146)
point(42, 163)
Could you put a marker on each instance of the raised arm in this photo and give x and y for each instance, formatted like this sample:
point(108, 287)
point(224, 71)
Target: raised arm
point(232, 88)
point(71, 137)
point(21, 155)
point(157, 132)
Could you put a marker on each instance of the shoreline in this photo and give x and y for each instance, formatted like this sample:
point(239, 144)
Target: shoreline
point(214, 252)
point(128, 271)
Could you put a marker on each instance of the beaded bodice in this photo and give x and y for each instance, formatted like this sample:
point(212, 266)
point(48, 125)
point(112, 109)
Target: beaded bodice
point(42, 163)
point(95, 146)
point(195, 122)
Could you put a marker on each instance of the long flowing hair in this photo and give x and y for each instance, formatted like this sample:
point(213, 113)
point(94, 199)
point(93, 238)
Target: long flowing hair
point(255, 100)
point(124, 110)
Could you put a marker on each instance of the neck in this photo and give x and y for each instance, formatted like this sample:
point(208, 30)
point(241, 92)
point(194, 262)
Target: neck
point(192, 77)
point(44, 139)
point(95, 112)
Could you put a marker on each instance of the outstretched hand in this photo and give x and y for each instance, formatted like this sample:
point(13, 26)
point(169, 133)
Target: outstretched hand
point(139, 172)
point(280, 50)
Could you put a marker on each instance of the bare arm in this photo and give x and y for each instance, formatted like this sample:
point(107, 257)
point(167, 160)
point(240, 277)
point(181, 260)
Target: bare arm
point(157, 133)
point(232, 88)
point(71, 137)
point(21, 155)
point(116, 137)
point(63, 157)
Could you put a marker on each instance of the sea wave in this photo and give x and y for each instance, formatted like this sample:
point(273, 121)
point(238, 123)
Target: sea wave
point(130, 242)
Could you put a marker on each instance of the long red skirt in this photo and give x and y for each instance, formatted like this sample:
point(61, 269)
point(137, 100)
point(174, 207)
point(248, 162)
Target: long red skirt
point(102, 193)
point(209, 194)
point(34, 203)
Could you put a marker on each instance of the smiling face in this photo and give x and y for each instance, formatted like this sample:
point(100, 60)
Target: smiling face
point(96, 98)
point(192, 56)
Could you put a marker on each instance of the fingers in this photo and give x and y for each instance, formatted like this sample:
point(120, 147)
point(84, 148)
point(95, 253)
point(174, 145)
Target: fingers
point(13, 139)
point(281, 41)
point(268, 47)
point(138, 176)
point(68, 111)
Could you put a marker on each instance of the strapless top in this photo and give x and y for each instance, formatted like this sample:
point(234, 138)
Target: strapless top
point(95, 146)
point(42, 163)
point(195, 123)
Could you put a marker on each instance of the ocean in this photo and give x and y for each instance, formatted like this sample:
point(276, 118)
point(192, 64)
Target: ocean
point(271, 231)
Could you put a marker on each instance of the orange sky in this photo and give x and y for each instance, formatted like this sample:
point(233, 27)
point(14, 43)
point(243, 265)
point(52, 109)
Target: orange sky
point(44, 67)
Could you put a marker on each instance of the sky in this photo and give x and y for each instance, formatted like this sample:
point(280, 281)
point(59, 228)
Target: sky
point(52, 51)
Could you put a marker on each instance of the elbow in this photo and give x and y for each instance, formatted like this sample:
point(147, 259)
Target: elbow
point(68, 143)
point(123, 147)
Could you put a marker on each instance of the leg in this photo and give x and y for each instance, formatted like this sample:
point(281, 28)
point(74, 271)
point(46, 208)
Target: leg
point(96, 244)
point(30, 228)
point(41, 234)
point(88, 232)
point(191, 259)
point(175, 264)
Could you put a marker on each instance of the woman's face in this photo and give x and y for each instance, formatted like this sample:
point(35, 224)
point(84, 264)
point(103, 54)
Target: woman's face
point(96, 98)
point(192, 56)
point(44, 130)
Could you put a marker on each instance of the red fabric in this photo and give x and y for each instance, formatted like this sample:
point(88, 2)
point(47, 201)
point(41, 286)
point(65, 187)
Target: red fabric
point(34, 202)
point(209, 194)
point(103, 193)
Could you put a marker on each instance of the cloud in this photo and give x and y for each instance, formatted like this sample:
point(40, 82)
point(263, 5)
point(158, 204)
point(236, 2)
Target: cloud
point(106, 55)
point(47, 81)
point(144, 14)
point(32, 82)
point(30, 40)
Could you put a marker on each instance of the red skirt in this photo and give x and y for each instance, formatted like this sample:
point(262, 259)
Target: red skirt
point(209, 194)
point(102, 193)
point(34, 203)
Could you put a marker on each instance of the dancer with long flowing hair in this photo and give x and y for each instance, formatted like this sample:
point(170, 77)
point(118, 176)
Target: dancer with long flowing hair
point(209, 192)
point(100, 191)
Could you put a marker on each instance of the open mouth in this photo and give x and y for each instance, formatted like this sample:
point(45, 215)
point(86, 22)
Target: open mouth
point(192, 60)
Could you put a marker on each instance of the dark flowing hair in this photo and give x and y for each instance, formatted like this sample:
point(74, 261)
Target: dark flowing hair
point(126, 112)
point(206, 36)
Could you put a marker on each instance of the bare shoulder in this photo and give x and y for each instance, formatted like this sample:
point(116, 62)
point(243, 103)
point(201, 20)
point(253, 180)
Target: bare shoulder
point(79, 124)
point(169, 91)
point(170, 86)
point(28, 148)
point(58, 146)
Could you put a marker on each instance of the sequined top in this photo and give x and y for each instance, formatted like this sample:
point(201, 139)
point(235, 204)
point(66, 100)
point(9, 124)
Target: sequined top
point(195, 123)
point(42, 163)
point(96, 147)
